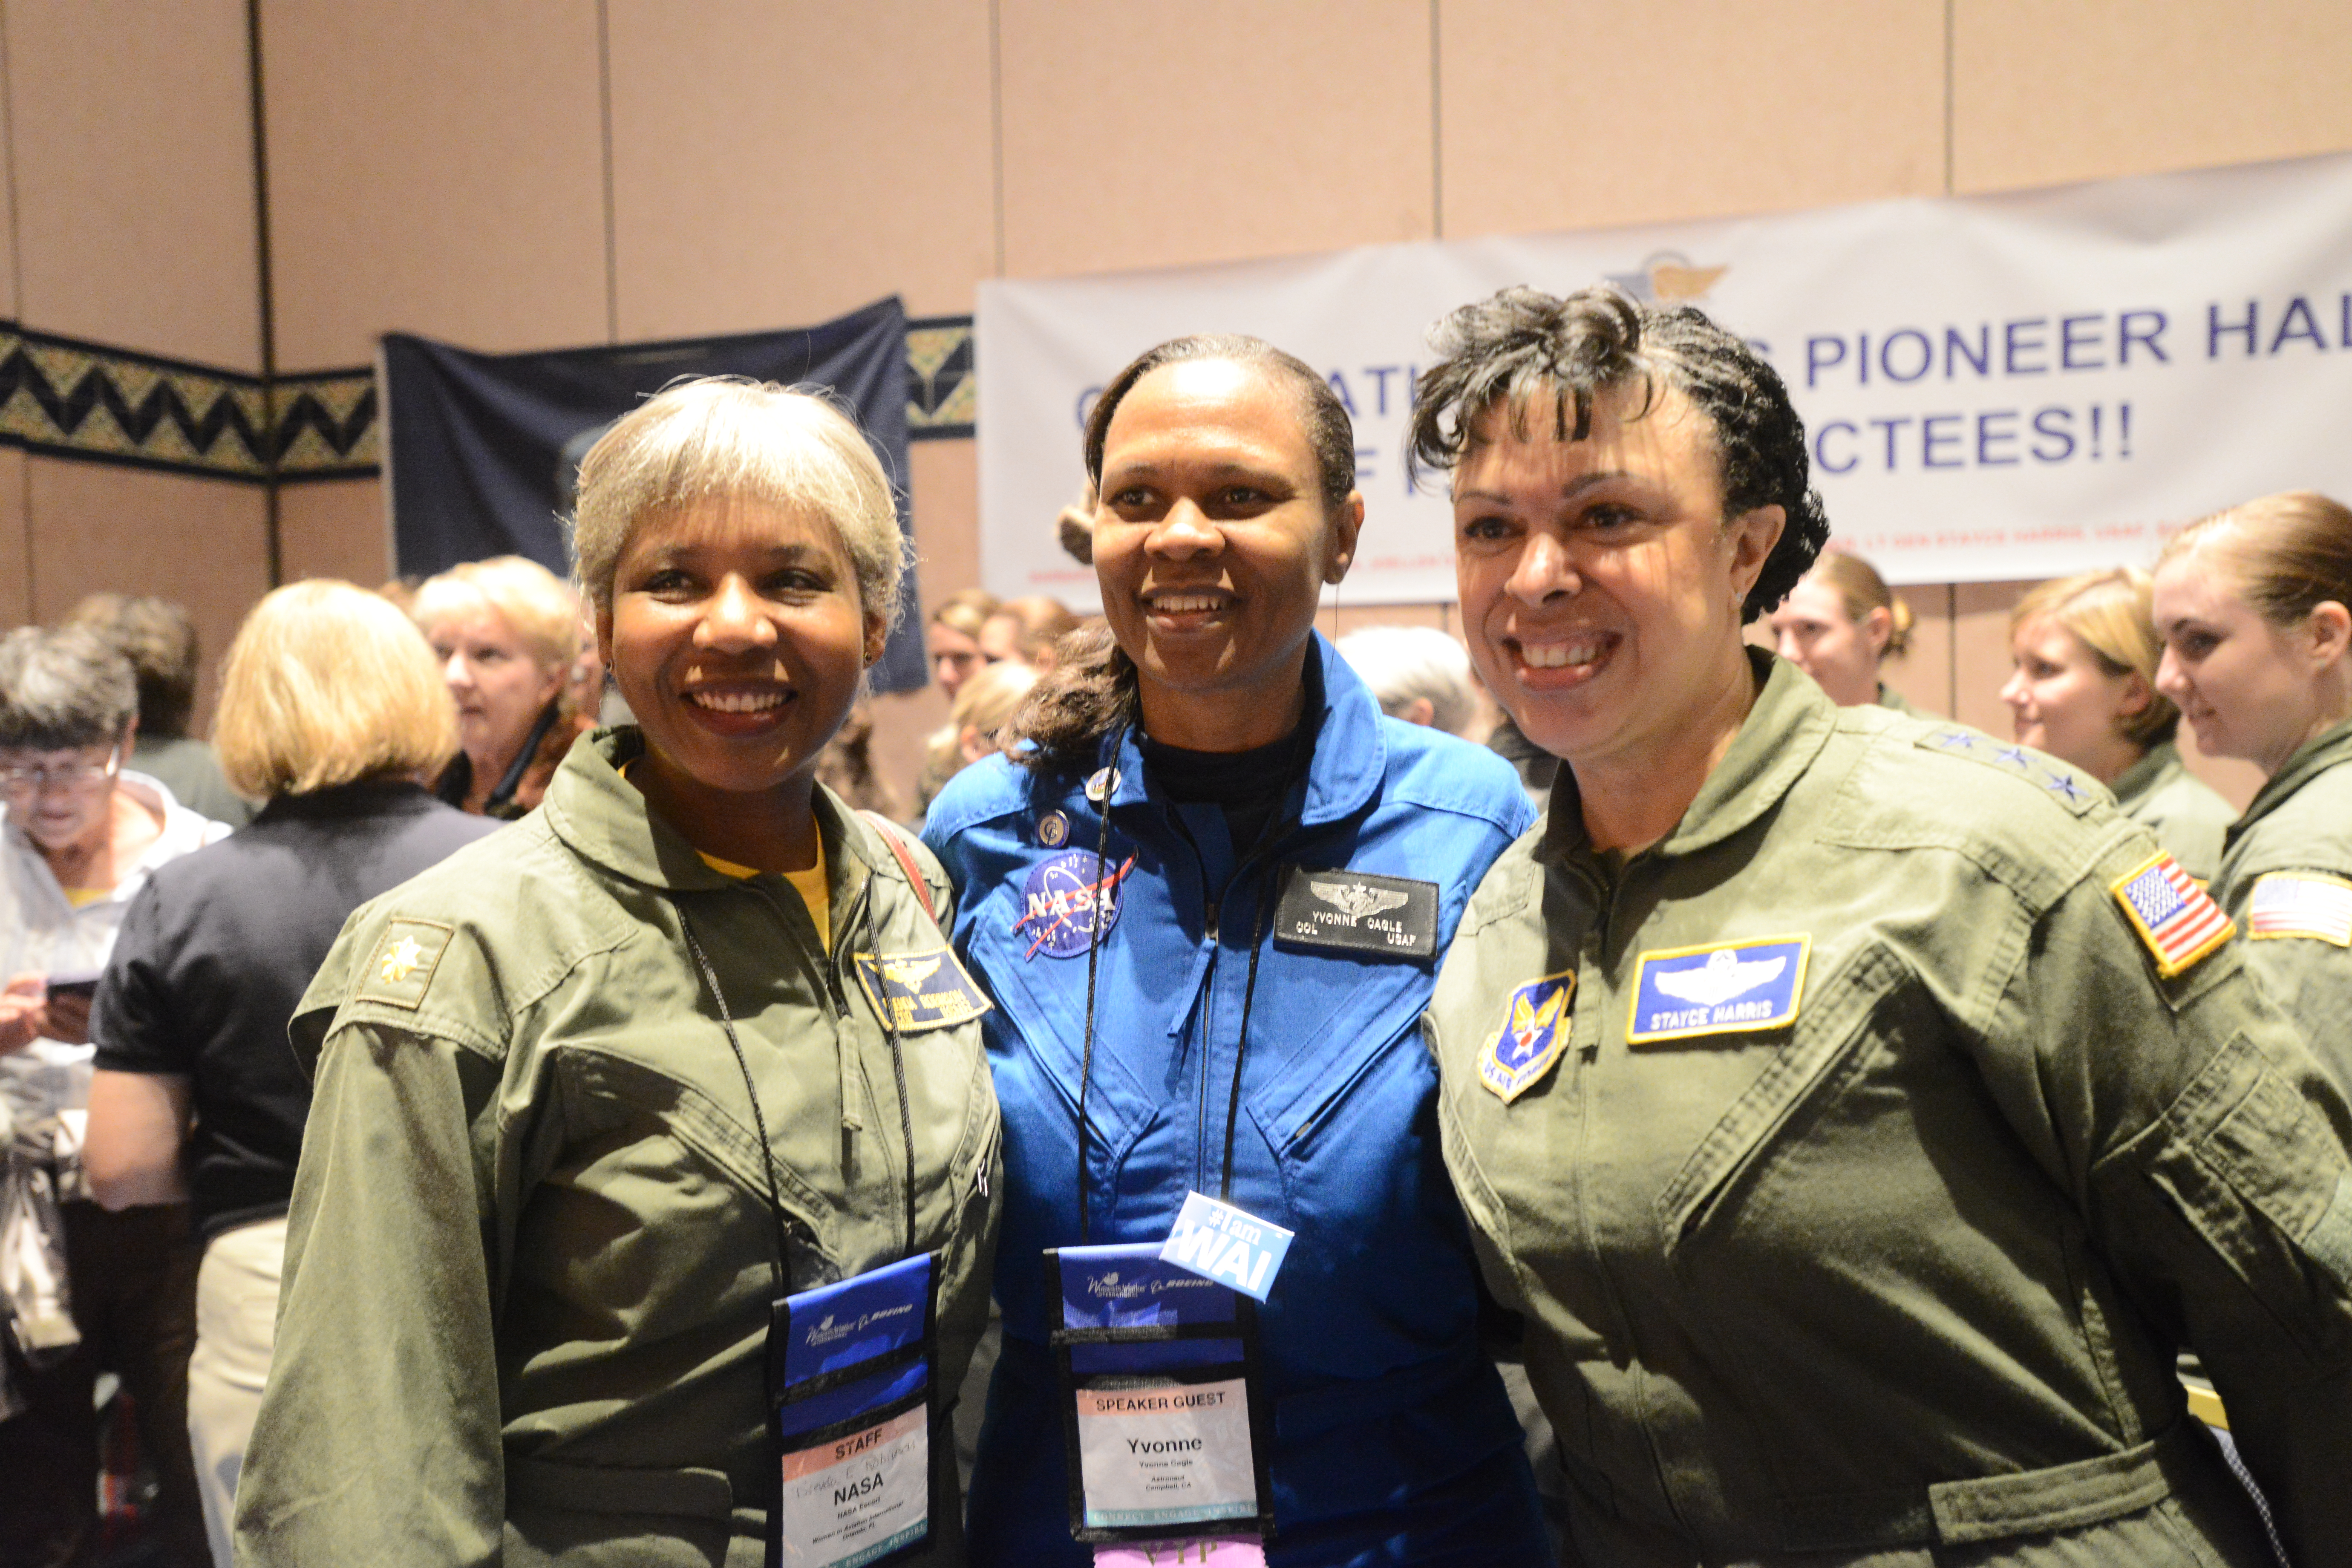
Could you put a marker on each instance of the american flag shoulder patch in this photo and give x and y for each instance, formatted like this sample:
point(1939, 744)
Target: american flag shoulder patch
point(2300, 903)
point(2171, 913)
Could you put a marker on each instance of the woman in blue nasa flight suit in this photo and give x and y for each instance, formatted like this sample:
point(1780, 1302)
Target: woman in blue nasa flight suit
point(1243, 1021)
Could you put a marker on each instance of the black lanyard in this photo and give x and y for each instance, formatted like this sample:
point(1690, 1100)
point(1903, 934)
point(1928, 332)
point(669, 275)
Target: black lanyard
point(752, 1092)
point(1302, 749)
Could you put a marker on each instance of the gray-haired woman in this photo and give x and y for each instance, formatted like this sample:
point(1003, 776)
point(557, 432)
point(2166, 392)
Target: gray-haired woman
point(78, 836)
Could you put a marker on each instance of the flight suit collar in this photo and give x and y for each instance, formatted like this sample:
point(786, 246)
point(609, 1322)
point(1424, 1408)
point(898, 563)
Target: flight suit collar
point(1786, 729)
point(601, 817)
point(2329, 748)
point(1348, 759)
point(2135, 781)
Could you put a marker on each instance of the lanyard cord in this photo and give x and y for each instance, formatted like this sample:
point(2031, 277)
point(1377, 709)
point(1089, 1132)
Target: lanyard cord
point(759, 1121)
point(1302, 749)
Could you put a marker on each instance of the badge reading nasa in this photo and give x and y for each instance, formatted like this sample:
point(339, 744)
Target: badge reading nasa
point(1067, 900)
point(1722, 988)
point(1534, 1034)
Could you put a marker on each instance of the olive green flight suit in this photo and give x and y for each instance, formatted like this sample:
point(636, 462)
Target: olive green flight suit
point(1899, 1281)
point(2298, 828)
point(2187, 816)
point(528, 1271)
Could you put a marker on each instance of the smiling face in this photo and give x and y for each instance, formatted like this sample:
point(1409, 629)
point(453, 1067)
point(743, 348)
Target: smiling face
point(1602, 588)
point(2062, 700)
point(500, 688)
point(1812, 631)
point(1212, 545)
point(2247, 687)
point(735, 634)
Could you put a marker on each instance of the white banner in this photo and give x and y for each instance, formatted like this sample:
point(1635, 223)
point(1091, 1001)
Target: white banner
point(1995, 388)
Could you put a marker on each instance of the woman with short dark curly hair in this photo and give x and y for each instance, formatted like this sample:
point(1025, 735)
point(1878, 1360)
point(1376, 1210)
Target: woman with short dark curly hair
point(1863, 1111)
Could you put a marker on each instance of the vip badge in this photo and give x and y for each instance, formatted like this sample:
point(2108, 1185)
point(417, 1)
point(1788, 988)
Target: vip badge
point(1068, 902)
point(1534, 1033)
point(1730, 988)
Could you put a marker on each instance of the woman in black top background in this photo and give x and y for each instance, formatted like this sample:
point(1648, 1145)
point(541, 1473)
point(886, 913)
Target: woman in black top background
point(332, 710)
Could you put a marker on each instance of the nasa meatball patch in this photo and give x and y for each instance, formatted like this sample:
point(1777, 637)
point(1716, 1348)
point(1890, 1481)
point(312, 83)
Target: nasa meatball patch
point(1357, 911)
point(1723, 988)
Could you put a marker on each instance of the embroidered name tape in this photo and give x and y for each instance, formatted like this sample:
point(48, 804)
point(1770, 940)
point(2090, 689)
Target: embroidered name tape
point(1220, 1242)
point(1066, 899)
point(1357, 911)
point(919, 991)
point(2300, 903)
point(2170, 911)
point(1534, 1033)
point(1723, 988)
point(403, 963)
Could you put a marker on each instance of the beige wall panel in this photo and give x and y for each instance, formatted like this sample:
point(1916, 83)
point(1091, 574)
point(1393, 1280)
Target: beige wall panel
point(334, 528)
point(1172, 132)
point(7, 193)
point(1580, 115)
point(779, 162)
point(944, 486)
point(134, 164)
point(1923, 674)
point(1980, 653)
point(902, 724)
point(433, 169)
point(2043, 94)
point(16, 544)
point(200, 542)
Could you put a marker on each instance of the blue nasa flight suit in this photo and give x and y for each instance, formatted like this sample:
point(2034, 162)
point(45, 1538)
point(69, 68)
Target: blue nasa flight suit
point(1394, 1441)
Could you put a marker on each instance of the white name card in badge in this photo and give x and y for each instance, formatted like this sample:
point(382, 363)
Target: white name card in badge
point(1229, 1245)
point(852, 1362)
point(1208, 1552)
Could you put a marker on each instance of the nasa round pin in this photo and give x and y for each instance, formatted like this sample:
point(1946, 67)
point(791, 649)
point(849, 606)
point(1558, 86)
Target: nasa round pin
point(1053, 830)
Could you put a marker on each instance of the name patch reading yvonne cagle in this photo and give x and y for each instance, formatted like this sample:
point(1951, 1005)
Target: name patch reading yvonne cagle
point(1357, 911)
point(1723, 988)
point(918, 991)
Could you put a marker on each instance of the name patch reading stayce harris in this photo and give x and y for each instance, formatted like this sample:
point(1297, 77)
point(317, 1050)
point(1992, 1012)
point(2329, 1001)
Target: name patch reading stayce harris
point(1722, 988)
point(1357, 911)
point(918, 991)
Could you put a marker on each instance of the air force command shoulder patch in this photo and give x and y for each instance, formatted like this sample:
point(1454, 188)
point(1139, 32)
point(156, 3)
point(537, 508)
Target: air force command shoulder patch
point(1722, 988)
point(918, 991)
point(1535, 1032)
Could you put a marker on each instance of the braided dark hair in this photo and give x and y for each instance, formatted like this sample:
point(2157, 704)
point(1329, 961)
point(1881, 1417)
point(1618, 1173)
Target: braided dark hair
point(1523, 348)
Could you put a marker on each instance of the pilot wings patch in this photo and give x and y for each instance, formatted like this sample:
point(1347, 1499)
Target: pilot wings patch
point(1732, 987)
point(1361, 913)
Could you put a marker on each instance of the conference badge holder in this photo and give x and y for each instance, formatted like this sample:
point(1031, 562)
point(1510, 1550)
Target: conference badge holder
point(851, 1369)
point(1165, 1418)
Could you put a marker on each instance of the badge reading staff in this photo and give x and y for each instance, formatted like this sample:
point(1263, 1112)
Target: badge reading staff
point(1534, 1033)
point(2170, 911)
point(1722, 988)
point(919, 991)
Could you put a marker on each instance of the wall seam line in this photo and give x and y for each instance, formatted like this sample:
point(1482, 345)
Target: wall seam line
point(612, 225)
point(1436, 130)
point(996, 122)
point(1950, 78)
point(266, 291)
point(16, 273)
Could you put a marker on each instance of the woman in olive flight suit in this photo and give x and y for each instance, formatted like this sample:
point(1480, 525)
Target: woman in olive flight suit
point(597, 1090)
point(1861, 1109)
point(2254, 604)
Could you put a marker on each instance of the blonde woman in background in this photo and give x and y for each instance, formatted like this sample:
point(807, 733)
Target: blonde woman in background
point(983, 708)
point(2083, 690)
point(1417, 673)
point(332, 713)
point(508, 633)
point(1838, 625)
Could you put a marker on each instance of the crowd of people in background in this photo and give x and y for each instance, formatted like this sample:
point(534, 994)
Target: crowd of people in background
point(166, 903)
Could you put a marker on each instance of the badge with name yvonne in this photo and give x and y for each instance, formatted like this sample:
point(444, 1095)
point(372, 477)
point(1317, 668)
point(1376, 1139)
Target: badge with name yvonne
point(1535, 1032)
point(851, 1364)
point(1067, 900)
point(1164, 1414)
point(1220, 1242)
point(919, 991)
point(1723, 988)
point(1357, 911)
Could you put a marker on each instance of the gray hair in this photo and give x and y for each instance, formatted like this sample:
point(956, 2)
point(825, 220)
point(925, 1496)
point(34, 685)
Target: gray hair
point(61, 688)
point(1402, 664)
point(730, 437)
